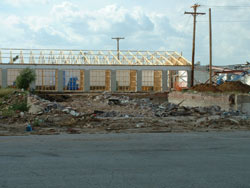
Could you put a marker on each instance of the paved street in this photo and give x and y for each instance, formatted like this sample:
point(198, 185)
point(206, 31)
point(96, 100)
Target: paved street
point(126, 160)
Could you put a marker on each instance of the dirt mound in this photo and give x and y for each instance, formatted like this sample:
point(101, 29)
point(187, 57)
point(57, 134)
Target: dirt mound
point(234, 87)
point(205, 88)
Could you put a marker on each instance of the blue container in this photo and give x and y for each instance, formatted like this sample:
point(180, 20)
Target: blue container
point(72, 84)
point(64, 79)
point(28, 128)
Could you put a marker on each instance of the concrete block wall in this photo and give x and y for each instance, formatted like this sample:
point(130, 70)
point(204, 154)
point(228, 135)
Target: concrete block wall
point(243, 103)
point(225, 101)
point(200, 99)
point(161, 76)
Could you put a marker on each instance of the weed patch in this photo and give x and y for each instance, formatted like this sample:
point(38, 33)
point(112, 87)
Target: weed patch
point(6, 92)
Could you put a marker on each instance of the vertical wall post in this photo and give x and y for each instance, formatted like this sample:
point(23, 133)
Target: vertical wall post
point(132, 79)
point(113, 81)
point(107, 80)
point(139, 80)
point(157, 81)
point(164, 80)
point(60, 82)
point(86, 80)
point(4, 78)
point(81, 80)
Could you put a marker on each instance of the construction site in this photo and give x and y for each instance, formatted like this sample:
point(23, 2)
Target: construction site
point(96, 71)
point(80, 91)
point(169, 107)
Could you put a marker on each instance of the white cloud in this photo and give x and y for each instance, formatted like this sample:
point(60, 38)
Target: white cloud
point(65, 10)
point(78, 25)
point(25, 2)
point(11, 21)
point(69, 24)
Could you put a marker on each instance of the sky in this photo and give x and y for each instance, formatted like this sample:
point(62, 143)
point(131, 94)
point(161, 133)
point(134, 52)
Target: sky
point(145, 24)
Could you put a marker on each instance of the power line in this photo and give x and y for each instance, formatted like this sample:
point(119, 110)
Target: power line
point(228, 21)
point(187, 23)
point(226, 6)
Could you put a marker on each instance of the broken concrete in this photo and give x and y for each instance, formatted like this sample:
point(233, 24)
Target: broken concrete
point(227, 102)
point(123, 113)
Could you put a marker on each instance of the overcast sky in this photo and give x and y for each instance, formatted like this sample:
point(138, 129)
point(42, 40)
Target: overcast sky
point(146, 24)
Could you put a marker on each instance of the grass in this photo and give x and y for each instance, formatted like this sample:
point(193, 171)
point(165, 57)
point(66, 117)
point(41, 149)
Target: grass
point(8, 113)
point(5, 92)
point(21, 106)
point(15, 103)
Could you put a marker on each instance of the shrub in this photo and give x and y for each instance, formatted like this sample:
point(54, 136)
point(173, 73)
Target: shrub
point(25, 78)
point(21, 106)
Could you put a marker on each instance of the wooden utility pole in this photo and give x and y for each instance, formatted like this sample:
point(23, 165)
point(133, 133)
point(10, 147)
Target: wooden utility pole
point(118, 46)
point(195, 13)
point(210, 47)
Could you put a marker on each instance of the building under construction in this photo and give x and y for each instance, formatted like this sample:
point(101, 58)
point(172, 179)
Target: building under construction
point(95, 71)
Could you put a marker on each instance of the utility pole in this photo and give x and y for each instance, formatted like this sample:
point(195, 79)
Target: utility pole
point(118, 45)
point(195, 13)
point(210, 47)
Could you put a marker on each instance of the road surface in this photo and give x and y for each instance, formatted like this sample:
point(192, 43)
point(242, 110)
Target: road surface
point(166, 160)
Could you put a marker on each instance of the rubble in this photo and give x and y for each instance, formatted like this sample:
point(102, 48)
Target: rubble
point(205, 88)
point(234, 87)
point(231, 86)
point(39, 106)
point(118, 113)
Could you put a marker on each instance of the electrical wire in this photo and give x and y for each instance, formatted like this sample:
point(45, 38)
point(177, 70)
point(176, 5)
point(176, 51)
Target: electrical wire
point(229, 7)
point(226, 6)
point(228, 21)
point(187, 23)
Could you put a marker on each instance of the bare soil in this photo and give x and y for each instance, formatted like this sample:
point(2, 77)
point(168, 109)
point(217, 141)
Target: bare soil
point(238, 87)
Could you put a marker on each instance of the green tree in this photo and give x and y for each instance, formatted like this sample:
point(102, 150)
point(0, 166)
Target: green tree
point(25, 78)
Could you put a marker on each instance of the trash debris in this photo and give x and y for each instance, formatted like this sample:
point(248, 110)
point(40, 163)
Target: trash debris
point(114, 102)
point(28, 128)
point(74, 113)
point(21, 114)
point(114, 113)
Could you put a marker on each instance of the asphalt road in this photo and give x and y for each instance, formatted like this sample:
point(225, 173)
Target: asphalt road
point(126, 160)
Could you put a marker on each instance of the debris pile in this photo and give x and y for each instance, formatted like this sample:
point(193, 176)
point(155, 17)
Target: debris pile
point(236, 86)
point(38, 106)
point(107, 112)
point(205, 88)
point(148, 108)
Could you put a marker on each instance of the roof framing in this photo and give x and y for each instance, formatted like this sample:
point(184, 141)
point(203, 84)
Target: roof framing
point(91, 57)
